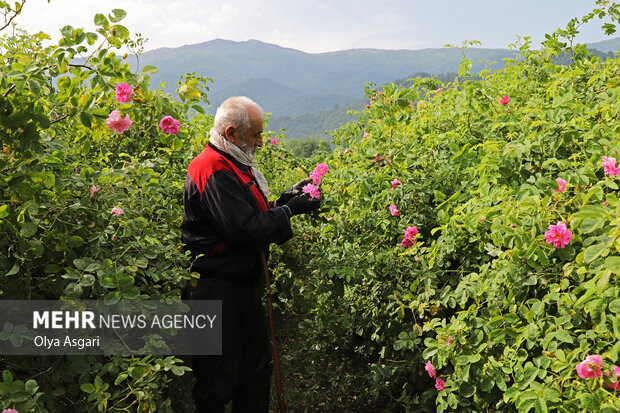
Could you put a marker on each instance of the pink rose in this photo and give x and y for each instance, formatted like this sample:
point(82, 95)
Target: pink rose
point(365, 135)
point(273, 141)
point(117, 211)
point(10, 411)
point(440, 384)
point(394, 210)
point(123, 93)
point(93, 189)
point(312, 190)
point(407, 242)
point(378, 158)
point(170, 125)
point(449, 340)
point(321, 169)
point(609, 164)
point(439, 90)
point(561, 185)
point(504, 100)
point(430, 369)
point(117, 124)
point(616, 385)
point(590, 368)
point(411, 232)
point(395, 183)
point(315, 177)
point(558, 235)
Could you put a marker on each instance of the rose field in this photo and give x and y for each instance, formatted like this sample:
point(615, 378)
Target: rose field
point(465, 257)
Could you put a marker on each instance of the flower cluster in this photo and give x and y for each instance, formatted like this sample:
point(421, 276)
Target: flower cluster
point(170, 125)
point(558, 235)
point(395, 183)
point(430, 369)
point(312, 190)
point(117, 211)
point(116, 123)
point(609, 164)
point(320, 170)
point(316, 175)
point(561, 185)
point(590, 368)
point(394, 210)
point(119, 124)
point(123, 93)
point(410, 234)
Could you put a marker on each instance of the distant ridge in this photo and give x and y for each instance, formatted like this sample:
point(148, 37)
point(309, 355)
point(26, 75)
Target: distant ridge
point(288, 82)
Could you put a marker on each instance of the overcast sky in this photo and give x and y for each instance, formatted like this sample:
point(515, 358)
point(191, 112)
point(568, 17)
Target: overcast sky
point(321, 26)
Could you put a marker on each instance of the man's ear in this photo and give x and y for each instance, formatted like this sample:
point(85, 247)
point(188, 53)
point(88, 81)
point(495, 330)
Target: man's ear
point(230, 133)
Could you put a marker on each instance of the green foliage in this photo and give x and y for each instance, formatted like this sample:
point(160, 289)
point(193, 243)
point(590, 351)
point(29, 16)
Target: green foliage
point(503, 316)
point(63, 171)
point(478, 181)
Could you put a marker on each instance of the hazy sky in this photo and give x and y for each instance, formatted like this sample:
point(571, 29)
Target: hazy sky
point(321, 26)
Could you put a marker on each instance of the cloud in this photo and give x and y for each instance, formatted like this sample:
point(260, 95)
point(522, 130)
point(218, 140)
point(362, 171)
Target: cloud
point(317, 25)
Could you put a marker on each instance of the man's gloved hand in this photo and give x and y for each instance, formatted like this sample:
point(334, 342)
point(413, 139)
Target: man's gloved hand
point(293, 191)
point(302, 204)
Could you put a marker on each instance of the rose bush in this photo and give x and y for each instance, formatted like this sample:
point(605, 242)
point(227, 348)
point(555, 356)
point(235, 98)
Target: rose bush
point(503, 315)
point(90, 204)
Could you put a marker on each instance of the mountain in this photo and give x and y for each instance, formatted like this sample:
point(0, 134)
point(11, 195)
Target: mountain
point(611, 45)
point(306, 92)
point(313, 80)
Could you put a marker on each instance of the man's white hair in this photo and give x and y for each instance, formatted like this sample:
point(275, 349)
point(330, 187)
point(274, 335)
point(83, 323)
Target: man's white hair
point(234, 111)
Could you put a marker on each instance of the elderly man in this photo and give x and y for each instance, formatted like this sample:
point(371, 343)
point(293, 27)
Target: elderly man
point(227, 220)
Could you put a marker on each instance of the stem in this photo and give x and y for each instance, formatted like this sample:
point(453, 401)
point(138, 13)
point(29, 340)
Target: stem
point(13, 16)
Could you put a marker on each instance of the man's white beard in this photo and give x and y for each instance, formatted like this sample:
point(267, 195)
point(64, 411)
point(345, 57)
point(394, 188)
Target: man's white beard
point(248, 149)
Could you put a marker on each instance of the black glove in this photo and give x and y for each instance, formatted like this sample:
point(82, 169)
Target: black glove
point(302, 204)
point(293, 191)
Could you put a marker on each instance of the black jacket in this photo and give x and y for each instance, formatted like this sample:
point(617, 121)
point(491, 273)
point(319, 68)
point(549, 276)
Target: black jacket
point(222, 218)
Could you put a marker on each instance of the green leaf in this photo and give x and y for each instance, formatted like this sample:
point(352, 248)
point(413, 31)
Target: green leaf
point(593, 252)
point(541, 406)
point(64, 83)
point(177, 144)
point(487, 383)
point(31, 386)
point(466, 389)
point(75, 241)
point(120, 31)
point(67, 32)
point(149, 70)
point(564, 336)
point(35, 87)
point(591, 211)
point(611, 263)
point(589, 402)
point(117, 15)
point(86, 119)
point(101, 20)
point(199, 109)
point(28, 230)
point(4, 211)
point(87, 388)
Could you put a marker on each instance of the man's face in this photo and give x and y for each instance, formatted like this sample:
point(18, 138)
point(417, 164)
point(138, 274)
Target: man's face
point(253, 137)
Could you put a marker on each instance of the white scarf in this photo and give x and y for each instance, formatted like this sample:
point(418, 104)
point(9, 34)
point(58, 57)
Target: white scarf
point(230, 148)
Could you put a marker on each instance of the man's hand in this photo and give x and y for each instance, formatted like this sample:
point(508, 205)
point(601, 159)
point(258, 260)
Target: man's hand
point(292, 192)
point(302, 204)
